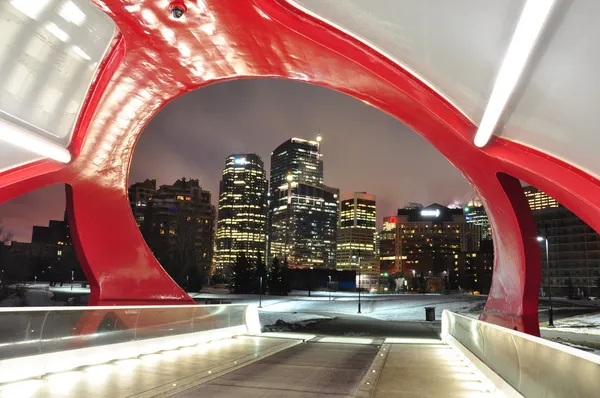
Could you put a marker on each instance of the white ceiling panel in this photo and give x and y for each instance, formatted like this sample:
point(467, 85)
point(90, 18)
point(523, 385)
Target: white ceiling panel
point(455, 46)
point(12, 156)
point(558, 109)
point(49, 54)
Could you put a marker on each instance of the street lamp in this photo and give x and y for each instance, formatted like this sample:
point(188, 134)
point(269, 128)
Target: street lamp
point(329, 287)
point(550, 311)
point(260, 293)
point(355, 257)
point(72, 278)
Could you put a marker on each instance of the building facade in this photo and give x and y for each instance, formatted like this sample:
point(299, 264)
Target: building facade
point(50, 256)
point(475, 214)
point(304, 225)
point(420, 240)
point(140, 194)
point(539, 200)
point(357, 233)
point(242, 216)
point(299, 157)
point(177, 222)
point(572, 267)
point(471, 271)
point(303, 212)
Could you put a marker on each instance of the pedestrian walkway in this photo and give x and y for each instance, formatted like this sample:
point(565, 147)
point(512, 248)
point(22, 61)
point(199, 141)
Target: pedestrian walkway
point(427, 370)
point(273, 365)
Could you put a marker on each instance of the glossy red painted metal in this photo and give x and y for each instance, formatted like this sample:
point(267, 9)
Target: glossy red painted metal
point(161, 58)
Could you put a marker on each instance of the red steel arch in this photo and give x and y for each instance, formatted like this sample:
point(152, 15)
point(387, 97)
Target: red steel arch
point(156, 58)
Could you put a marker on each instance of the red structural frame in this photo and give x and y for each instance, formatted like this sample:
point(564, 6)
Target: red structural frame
point(156, 58)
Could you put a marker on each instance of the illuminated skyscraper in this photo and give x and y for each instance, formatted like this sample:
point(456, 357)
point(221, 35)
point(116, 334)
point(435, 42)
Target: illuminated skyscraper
point(301, 159)
point(303, 211)
point(539, 200)
point(358, 228)
point(242, 224)
point(475, 214)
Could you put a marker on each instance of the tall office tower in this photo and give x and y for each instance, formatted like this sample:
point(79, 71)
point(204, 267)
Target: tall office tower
point(242, 225)
point(357, 232)
point(303, 225)
point(301, 159)
point(303, 212)
point(539, 200)
point(475, 214)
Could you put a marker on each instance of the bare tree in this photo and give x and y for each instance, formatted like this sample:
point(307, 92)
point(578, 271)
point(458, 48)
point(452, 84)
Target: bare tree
point(5, 236)
point(184, 247)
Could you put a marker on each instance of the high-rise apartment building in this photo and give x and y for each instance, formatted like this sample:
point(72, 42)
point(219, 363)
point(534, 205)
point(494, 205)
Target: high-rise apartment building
point(303, 212)
point(140, 194)
point(475, 214)
point(539, 200)
point(357, 233)
point(242, 225)
point(177, 222)
point(419, 240)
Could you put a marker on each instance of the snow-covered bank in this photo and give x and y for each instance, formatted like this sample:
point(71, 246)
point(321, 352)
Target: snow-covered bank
point(270, 318)
point(584, 324)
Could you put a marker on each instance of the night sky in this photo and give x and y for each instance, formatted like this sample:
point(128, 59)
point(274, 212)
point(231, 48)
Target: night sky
point(364, 149)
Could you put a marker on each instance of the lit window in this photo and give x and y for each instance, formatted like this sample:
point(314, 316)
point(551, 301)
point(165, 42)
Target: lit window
point(180, 197)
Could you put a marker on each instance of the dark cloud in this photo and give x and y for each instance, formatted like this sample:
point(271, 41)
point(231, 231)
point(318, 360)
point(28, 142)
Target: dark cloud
point(364, 149)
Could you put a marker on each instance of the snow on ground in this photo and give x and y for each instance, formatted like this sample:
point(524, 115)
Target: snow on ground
point(270, 318)
point(390, 307)
point(33, 298)
point(580, 347)
point(584, 324)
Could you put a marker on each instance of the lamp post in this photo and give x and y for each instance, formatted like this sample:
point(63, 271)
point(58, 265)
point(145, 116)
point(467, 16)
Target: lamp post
point(358, 257)
point(329, 287)
point(72, 278)
point(289, 178)
point(260, 294)
point(550, 310)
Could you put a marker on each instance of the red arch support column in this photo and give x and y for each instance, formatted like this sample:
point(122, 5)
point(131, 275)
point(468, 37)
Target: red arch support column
point(513, 298)
point(119, 266)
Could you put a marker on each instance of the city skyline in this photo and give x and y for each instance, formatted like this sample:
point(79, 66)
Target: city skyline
point(365, 149)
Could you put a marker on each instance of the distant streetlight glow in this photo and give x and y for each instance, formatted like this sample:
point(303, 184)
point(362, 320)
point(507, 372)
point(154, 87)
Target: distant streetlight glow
point(540, 239)
point(289, 178)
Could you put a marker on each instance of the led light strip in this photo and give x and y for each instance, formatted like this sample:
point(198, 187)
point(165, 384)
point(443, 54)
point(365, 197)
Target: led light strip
point(31, 142)
point(529, 28)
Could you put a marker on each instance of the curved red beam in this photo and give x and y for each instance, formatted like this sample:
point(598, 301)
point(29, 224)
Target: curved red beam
point(159, 58)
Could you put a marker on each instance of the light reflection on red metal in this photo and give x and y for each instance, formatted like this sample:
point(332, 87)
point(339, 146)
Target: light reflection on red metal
point(162, 58)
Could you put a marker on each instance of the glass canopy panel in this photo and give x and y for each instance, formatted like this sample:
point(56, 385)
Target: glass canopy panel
point(556, 110)
point(12, 156)
point(49, 54)
point(454, 46)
